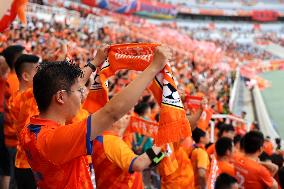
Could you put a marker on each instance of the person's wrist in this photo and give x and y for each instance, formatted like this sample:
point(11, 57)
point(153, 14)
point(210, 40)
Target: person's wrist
point(91, 65)
point(155, 68)
point(156, 149)
point(96, 62)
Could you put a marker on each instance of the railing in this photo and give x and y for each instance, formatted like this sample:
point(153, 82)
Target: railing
point(234, 90)
point(224, 116)
point(264, 120)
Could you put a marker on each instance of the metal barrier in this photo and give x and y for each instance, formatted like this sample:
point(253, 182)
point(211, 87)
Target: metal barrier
point(224, 116)
point(234, 90)
point(264, 120)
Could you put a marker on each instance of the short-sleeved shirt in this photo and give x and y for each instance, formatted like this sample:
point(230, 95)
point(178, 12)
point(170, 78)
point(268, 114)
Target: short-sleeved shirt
point(251, 174)
point(56, 153)
point(211, 150)
point(24, 107)
point(199, 159)
point(226, 167)
point(112, 160)
point(218, 167)
point(11, 88)
point(183, 177)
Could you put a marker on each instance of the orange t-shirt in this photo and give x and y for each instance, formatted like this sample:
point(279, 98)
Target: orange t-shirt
point(11, 88)
point(13, 82)
point(211, 150)
point(113, 160)
point(226, 167)
point(2, 94)
point(251, 174)
point(57, 153)
point(24, 108)
point(199, 159)
point(183, 177)
point(81, 115)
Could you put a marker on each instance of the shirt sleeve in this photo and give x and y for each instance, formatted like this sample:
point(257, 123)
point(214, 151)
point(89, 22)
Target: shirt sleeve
point(67, 142)
point(118, 152)
point(265, 177)
point(202, 159)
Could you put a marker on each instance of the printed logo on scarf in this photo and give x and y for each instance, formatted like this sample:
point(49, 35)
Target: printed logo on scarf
point(170, 95)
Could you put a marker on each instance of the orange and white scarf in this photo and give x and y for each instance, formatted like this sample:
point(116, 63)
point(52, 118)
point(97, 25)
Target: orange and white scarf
point(173, 124)
point(142, 126)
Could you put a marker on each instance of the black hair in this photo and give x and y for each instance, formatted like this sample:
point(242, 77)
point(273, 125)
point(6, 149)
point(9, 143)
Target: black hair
point(152, 104)
point(281, 177)
point(264, 157)
point(278, 143)
point(157, 117)
point(197, 134)
point(237, 139)
point(146, 98)
point(277, 159)
point(52, 77)
point(22, 61)
point(225, 181)
point(11, 54)
point(208, 145)
point(141, 108)
point(253, 141)
point(225, 128)
point(220, 124)
point(222, 145)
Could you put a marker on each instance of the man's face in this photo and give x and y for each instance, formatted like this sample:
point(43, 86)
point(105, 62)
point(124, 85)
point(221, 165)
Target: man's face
point(29, 73)
point(234, 186)
point(205, 140)
point(73, 101)
point(229, 134)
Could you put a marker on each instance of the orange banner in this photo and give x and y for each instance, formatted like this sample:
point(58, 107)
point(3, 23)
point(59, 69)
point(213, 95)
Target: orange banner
point(142, 126)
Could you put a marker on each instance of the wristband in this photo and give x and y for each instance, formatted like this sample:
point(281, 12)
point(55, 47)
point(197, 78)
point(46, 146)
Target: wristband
point(155, 158)
point(90, 65)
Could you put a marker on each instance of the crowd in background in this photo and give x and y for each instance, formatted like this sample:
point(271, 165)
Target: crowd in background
point(48, 39)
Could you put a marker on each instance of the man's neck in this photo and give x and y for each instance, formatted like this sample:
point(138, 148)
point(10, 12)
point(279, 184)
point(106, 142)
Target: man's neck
point(54, 116)
point(223, 158)
point(118, 132)
point(201, 145)
point(23, 86)
point(252, 156)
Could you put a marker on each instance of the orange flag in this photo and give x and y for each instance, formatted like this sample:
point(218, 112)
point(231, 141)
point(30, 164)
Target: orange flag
point(142, 126)
point(9, 10)
point(203, 122)
point(173, 124)
point(193, 102)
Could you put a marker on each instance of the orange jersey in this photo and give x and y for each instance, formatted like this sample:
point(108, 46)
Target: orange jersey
point(113, 160)
point(25, 107)
point(199, 159)
point(81, 115)
point(251, 174)
point(11, 88)
point(226, 167)
point(57, 153)
point(13, 83)
point(183, 177)
point(211, 150)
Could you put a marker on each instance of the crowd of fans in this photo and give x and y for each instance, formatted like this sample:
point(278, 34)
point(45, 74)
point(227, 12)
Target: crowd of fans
point(244, 159)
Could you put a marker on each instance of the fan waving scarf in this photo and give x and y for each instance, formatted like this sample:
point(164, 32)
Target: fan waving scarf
point(9, 9)
point(173, 124)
